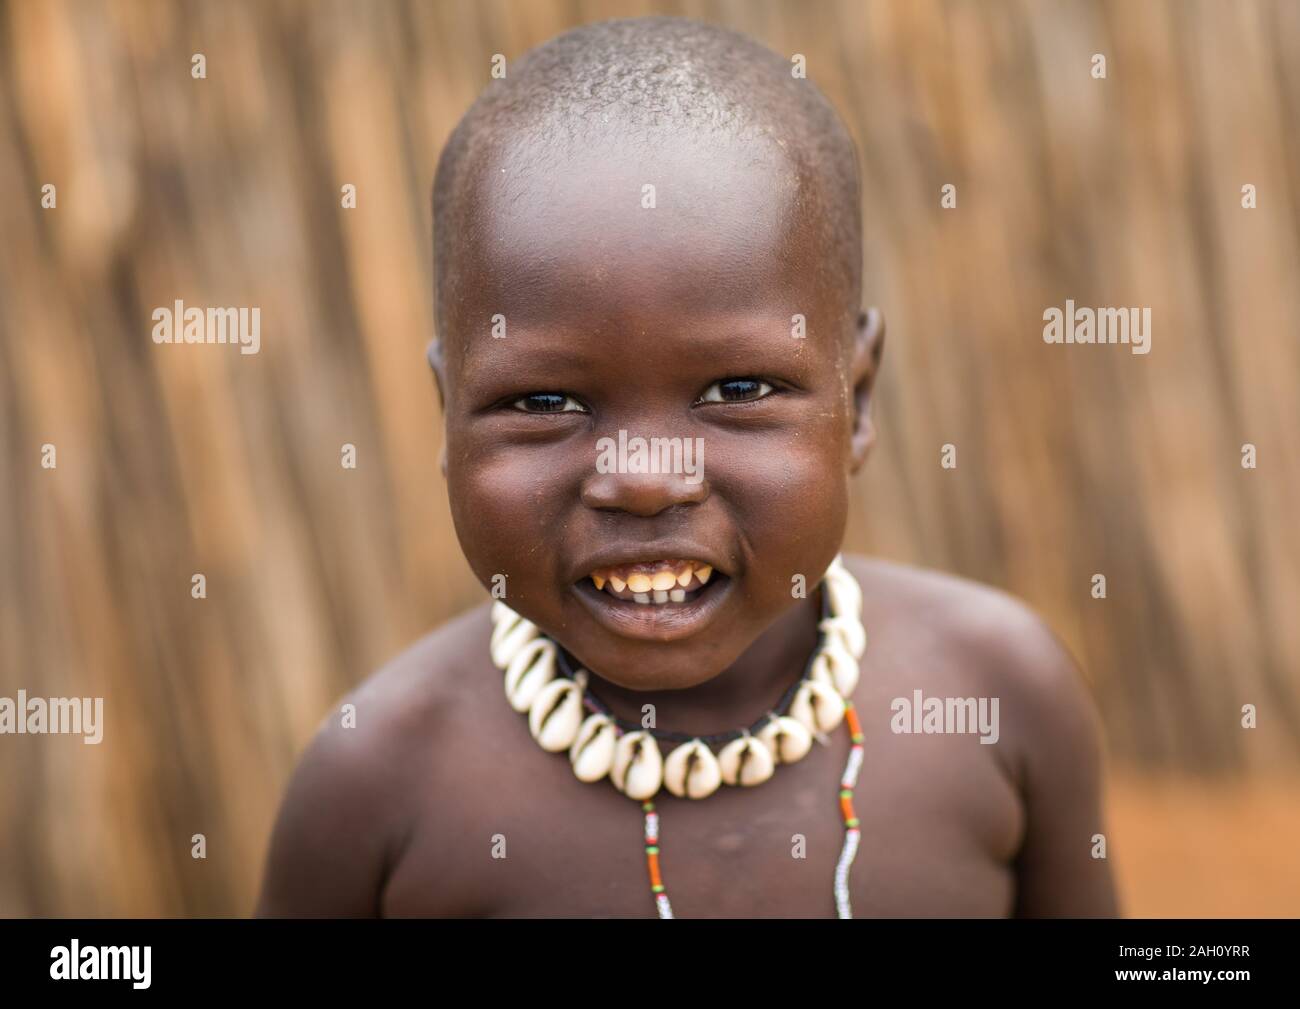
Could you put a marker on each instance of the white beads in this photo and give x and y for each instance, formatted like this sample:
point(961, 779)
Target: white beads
point(851, 769)
point(842, 906)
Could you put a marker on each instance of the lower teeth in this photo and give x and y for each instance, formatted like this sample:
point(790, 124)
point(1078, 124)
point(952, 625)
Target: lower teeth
point(658, 597)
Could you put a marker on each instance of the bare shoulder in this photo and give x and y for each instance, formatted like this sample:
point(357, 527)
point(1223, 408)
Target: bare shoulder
point(985, 636)
point(969, 609)
point(418, 688)
point(955, 637)
point(346, 811)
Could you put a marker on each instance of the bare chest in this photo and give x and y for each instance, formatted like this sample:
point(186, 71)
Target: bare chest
point(529, 840)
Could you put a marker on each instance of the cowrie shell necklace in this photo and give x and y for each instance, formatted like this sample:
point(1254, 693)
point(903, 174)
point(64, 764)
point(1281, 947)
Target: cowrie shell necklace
point(564, 715)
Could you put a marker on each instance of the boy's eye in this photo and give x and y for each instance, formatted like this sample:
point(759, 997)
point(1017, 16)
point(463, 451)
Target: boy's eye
point(548, 402)
point(735, 390)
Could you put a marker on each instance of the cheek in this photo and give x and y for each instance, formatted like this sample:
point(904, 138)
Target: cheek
point(505, 506)
point(796, 475)
point(791, 499)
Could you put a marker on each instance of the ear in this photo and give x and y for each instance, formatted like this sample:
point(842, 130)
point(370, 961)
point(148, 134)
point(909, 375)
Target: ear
point(868, 342)
point(438, 364)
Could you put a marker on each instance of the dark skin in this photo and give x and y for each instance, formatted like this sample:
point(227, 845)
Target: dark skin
point(629, 317)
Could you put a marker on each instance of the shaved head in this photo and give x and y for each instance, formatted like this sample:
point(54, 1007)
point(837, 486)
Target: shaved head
point(634, 86)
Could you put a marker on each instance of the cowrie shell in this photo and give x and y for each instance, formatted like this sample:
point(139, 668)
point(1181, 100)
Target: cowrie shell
point(556, 715)
point(501, 613)
point(837, 667)
point(531, 669)
point(787, 738)
point(846, 596)
point(818, 706)
point(504, 620)
point(691, 771)
point(505, 644)
point(745, 761)
point(848, 632)
point(592, 752)
point(638, 769)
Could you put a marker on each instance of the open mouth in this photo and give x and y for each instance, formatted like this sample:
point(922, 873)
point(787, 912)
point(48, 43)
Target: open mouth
point(659, 600)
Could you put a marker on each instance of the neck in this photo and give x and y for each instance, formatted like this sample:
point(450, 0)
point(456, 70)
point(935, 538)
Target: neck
point(738, 696)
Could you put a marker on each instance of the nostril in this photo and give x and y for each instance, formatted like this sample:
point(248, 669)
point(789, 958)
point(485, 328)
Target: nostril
point(641, 494)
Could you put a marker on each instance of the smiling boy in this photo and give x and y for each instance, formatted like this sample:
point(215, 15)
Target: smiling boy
point(650, 229)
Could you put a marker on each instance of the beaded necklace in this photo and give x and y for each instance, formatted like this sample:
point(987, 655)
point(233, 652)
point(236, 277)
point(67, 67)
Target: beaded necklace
point(563, 714)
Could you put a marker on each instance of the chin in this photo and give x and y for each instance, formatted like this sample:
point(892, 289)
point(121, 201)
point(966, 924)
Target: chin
point(648, 667)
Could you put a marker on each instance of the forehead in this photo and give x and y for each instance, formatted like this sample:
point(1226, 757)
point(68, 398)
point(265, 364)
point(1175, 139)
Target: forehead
point(629, 229)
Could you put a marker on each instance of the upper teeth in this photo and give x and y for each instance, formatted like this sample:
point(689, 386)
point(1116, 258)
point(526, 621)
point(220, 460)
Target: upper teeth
point(657, 582)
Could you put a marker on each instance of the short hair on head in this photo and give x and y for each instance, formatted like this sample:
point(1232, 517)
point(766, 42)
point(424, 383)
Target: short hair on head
point(656, 73)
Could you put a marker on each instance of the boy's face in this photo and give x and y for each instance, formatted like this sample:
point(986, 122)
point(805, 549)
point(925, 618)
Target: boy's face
point(664, 314)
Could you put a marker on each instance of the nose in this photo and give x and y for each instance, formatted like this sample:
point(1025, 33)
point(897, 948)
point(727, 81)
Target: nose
point(643, 494)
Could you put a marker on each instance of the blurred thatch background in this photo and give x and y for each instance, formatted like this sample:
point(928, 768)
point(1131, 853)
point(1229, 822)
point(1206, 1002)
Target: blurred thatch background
point(1072, 460)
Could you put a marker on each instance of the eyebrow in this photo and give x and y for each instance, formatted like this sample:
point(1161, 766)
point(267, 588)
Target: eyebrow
point(499, 356)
